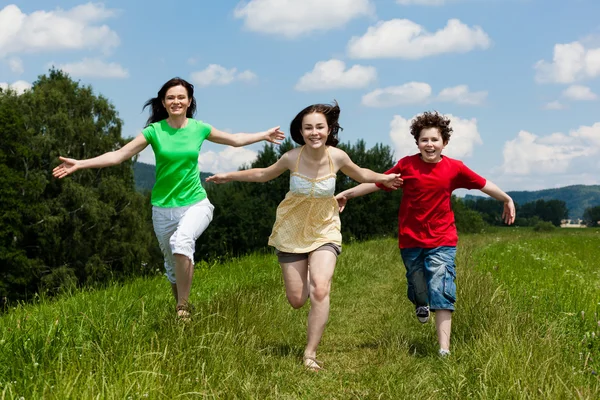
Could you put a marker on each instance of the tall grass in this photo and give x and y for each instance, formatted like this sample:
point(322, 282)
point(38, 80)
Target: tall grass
point(517, 332)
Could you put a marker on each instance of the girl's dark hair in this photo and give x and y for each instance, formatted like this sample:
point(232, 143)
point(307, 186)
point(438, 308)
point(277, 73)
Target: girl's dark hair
point(332, 115)
point(431, 120)
point(158, 111)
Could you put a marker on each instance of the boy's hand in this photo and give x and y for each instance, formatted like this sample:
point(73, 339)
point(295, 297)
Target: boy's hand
point(394, 181)
point(342, 200)
point(218, 178)
point(509, 213)
point(274, 135)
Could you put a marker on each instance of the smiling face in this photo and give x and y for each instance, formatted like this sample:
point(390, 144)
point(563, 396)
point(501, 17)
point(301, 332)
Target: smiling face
point(176, 101)
point(431, 145)
point(314, 130)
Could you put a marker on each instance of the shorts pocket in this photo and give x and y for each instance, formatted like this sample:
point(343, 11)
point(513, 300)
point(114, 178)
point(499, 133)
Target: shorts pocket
point(450, 284)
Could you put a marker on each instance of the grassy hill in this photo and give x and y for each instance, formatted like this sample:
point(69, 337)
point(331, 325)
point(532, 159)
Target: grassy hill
point(577, 197)
point(516, 333)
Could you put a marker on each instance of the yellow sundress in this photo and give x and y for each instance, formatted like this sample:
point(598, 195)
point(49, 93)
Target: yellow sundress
point(308, 217)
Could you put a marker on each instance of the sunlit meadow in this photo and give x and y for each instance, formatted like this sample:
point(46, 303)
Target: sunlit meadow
point(526, 326)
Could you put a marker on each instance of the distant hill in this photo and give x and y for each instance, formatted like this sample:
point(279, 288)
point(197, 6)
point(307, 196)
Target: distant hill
point(145, 176)
point(577, 197)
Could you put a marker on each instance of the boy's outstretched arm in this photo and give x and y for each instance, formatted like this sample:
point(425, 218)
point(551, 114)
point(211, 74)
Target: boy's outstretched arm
point(254, 174)
point(509, 213)
point(357, 191)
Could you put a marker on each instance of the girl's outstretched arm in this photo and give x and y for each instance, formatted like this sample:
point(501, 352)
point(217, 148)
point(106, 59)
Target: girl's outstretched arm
point(70, 165)
point(509, 213)
point(364, 175)
point(254, 174)
point(273, 135)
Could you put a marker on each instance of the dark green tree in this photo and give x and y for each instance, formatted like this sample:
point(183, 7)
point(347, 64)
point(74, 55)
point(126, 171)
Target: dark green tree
point(591, 216)
point(88, 228)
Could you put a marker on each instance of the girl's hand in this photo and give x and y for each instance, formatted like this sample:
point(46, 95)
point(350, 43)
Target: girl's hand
point(394, 181)
point(509, 213)
point(68, 166)
point(218, 179)
point(342, 200)
point(274, 135)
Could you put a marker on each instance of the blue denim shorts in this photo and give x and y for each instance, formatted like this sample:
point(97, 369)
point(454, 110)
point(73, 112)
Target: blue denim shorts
point(431, 275)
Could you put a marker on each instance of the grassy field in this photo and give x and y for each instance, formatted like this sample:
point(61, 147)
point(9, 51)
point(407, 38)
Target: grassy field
point(526, 326)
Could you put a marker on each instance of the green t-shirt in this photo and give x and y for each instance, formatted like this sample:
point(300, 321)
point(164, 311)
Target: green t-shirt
point(176, 151)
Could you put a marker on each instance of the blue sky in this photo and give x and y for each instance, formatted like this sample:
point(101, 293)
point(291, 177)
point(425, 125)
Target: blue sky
point(519, 78)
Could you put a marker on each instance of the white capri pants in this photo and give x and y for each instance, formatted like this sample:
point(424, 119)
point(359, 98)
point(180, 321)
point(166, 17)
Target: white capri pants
point(177, 229)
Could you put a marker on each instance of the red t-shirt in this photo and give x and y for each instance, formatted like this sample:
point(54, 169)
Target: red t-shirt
point(425, 218)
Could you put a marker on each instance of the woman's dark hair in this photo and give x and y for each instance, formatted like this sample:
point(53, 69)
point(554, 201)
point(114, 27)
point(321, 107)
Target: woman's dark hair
point(332, 115)
point(158, 111)
point(431, 120)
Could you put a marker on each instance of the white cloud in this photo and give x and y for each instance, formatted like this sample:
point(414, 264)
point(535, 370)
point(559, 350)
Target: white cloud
point(461, 95)
point(227, 160)
point(571, 62)
point(16, 65)
point(554, 105)
point(216, 74)
point(421, 2)
point(402, 38)
point(19, 86)
point(464, 137)
point(529, 154)
point(333, 74)
point(43, 31)
point(421, 93)
point(409, 93)
point(292, 18)
point(94, 68)
point(579, 92)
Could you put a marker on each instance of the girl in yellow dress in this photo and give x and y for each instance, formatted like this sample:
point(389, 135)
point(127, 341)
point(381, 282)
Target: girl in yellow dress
point(306, 233)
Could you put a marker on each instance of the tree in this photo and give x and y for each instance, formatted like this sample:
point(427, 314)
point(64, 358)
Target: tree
point(591, 216)
point(552, 211)
point(90, 227)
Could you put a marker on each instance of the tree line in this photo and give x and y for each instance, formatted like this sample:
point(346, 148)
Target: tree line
point(94, 227)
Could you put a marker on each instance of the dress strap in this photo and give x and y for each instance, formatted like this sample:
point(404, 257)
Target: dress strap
point(298, 159)
point(330, 162)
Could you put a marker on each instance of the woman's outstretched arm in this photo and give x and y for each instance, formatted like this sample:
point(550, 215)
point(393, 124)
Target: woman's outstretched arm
point(70, 165)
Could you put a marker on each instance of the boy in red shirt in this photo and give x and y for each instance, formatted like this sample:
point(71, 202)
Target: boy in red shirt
point(426, 230)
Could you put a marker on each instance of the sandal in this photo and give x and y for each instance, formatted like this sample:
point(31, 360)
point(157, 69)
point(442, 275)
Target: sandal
point(312, 364)
point(183, 313)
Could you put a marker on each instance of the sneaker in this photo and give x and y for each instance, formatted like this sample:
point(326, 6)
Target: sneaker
point(444, 353)
point(423, 314)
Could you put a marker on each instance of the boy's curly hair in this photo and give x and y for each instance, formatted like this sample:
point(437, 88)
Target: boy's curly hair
point(431, 120)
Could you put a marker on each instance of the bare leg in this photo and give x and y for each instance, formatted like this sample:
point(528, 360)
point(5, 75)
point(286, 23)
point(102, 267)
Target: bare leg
point(295, 278)
point(321, 267)
point(443, 325)
point(184, 271)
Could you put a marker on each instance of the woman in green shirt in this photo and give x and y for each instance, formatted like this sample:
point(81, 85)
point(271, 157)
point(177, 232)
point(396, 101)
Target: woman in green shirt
point(181, 210)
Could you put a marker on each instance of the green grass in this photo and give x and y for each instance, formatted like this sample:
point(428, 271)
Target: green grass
point(518, 332)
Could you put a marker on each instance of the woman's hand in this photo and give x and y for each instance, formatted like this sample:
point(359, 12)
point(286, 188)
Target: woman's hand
point(274, 135)
point(68, 166)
